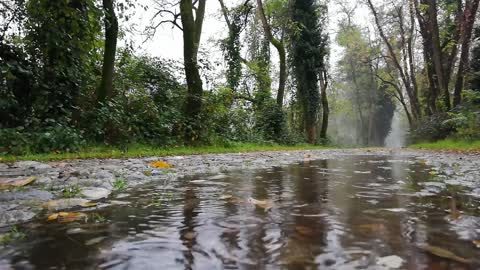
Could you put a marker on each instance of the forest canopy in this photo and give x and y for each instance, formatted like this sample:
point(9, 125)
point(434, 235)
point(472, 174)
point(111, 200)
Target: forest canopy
point(70, 75)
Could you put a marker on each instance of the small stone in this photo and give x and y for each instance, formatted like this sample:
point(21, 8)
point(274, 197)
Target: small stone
point(106, 175)
point(136, 177)
point(15, 216)
point(95, 193)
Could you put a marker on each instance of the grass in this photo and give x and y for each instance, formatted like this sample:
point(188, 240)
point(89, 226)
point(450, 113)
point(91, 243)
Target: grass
point(13, 235)
point(120, 184)
point(449, 145)
point(137, 151)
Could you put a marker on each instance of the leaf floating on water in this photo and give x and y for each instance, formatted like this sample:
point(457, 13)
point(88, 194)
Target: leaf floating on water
point(304, 230)
point(190, 235)
point(374, 227)
point(225, 197)
point(307, 156)
point(161, 164)
point(16, 182)
point(362, 172)
point(95, 241)
point(433, 172)
point(265, 204)
point(66, 217)
point(391, 262)
point(476, 243)
point(443, 253)
point(60, 204)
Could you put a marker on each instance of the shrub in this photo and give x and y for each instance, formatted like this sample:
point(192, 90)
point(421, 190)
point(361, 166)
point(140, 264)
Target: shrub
point(13, 141)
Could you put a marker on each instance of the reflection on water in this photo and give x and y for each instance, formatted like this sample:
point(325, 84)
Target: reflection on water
point(345, 213)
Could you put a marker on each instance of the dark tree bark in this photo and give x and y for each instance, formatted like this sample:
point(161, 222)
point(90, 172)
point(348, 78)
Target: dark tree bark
point(281, 53)
point(106, 89)
point(468, 20)
point(325, 107)
point(192, 31)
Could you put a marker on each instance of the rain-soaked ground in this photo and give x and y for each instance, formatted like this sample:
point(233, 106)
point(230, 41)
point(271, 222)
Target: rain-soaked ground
point(350, 212)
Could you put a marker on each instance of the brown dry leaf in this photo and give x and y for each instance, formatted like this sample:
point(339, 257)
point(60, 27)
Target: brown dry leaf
point(66, 217)
point(476, 243)
point(265, 204)
point(161, 164)
point(303, 230)
point(443, 253)
point(307, 156)
point(16, 182)
point(374, 227)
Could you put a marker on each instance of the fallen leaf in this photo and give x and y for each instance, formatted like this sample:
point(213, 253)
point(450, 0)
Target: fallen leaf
point(61, 204)
point(265, 204)
point(307, 156)
point(16, 182)
point(374, 227)
point(303, 230)
point(95, 241)
point(66, 217)
point(443, 253)
point(190, 235)
point(476, 243)
point(161, 164)
point(225, 197)
point(88, 204)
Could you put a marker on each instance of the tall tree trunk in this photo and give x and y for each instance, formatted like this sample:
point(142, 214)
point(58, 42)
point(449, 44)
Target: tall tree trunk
point(192, 30)
point(466, 37)
point(106, 89)
point(437, 52)
point(325, 108)
point(281, 53)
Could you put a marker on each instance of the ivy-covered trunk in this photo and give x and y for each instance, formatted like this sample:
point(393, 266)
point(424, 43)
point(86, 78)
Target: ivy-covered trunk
point(192, 30)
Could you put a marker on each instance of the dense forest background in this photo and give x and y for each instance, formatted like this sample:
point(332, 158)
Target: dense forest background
point(69, 77)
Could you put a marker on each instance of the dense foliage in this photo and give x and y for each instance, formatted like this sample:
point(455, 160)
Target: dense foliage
point(64, 84)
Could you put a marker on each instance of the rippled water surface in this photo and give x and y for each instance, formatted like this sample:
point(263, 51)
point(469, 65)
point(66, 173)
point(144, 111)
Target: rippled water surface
point(355, 212)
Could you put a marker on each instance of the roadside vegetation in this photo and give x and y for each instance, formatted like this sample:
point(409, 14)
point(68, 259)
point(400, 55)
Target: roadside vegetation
point(137, 151)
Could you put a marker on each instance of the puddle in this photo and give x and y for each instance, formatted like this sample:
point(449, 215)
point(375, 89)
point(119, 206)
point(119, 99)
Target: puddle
point(355, 212)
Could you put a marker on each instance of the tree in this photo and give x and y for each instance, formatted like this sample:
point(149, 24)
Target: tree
point(111, 34)
point(441, 41)
point(192, 13)
point(308, 58)
point(280, 46)
point(402, 60)
point(60, 38)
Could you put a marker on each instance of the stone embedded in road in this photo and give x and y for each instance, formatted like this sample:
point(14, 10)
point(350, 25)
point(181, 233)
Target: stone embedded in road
point(95, 193)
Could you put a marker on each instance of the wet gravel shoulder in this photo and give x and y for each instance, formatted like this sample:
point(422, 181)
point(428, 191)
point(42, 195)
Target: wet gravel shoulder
point(96, 179)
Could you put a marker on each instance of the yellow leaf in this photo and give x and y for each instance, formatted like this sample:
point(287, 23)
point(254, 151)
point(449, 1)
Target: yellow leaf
point(52, 217)
point(89, 204)
point(66, 217)
point(8, 183)
point(161, 164)
point(307, 156)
